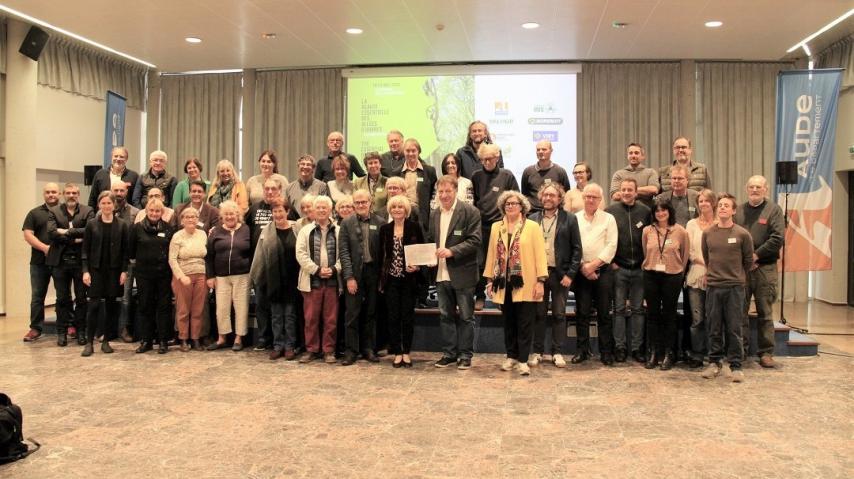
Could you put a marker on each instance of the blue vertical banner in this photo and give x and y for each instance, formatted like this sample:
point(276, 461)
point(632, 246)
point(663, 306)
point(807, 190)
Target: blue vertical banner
point(114, 130)
point(806, 132)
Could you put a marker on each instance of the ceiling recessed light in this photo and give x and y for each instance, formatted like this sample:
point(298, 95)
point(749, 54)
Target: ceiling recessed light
point(193, 40)
point(619, 24)
point(269, 36)
point(714, 24)
point(530, 25)
point(354, 31)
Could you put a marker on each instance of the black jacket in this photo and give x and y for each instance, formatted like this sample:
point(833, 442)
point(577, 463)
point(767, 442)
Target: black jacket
point(469, 161)
point(146, 181)
point(412, 234)
point(323, 171)
point(148, 248)
point(350, 245)
point(58, 219)
point(93, 237)
point(102, 182)
point(631, 221)
point(463, 239)
point(567, 243)
point(424, 190)
point(488, 186)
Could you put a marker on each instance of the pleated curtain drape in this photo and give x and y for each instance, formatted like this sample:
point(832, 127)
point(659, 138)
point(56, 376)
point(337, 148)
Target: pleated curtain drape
point(294, 112)
point(200, 117)
point(839, 55)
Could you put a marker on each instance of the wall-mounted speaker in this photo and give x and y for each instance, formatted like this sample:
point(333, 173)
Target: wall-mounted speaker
point(787, 172)
point(34, 43)
point(89, 173)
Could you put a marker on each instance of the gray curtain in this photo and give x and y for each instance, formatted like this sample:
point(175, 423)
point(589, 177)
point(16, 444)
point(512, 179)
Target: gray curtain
point(74, 68)
point(839, 55)
point(200, 116)
point(294, 112)
point(736, 121)
point(622, 103)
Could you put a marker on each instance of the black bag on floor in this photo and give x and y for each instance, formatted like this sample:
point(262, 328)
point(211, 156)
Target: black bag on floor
point(12, 445)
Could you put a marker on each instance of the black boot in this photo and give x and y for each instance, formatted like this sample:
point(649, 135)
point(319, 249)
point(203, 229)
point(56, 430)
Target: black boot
point(144, 346)
point(105, 347)
point(164, 347)
point(669, 359)
point(88, 350)
point(81, 337)
point(652, 362)
point(62, 339)
point(197, 345)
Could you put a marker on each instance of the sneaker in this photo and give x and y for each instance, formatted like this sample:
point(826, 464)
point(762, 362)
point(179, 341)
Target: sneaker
point(712, 371)
point(309, 357)
point(464, 363)
point(737, 376)
point(508, 364)
point(329, 358)
point(534, 359)
point(33, 335)
point(444, 362)
point(524, 370)
point(726, 370)
point(767, 361)
point(260, 345)
point(558, 361)
point(72, 332)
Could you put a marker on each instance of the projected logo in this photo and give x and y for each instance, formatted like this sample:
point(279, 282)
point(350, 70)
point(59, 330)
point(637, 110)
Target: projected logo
point(501, 108)
point(545, 135)
point(545, 121)
point(548, 108)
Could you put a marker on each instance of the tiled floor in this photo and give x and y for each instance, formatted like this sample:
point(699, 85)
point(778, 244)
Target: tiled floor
point(234, 415)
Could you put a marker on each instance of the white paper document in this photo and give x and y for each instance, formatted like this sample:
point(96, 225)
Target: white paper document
point(420, 254)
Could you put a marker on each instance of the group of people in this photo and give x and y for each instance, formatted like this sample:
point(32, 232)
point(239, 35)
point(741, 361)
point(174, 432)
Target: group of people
point(325, 257)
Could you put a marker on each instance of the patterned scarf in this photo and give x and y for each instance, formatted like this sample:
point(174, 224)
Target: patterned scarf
point(222, 193)
point(500, 281)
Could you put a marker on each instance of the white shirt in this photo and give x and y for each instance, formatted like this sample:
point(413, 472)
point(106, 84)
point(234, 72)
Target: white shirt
point(598, 237)
point(444, 224)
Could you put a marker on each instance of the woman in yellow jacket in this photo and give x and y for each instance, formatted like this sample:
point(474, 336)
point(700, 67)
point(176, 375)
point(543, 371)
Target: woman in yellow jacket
point(227, 186)
point(516, 259)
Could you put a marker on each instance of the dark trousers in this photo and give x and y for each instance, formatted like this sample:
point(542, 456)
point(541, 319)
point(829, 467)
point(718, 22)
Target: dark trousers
point(586, 292)
point(69, 312)
point(661, 291)
point(457, 329)
point(400, 304)
point(485, 231)
point(155, 301)
point(518, 327)
point(284, 324)
point(555, 295)
point(263, 311)
point(39, 281)
point(360, 317)
point(724, 311)
point(762, 285)
point(101, 315)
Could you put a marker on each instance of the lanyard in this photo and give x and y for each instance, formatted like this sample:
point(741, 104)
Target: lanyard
point(548, 231)
point(660, 244)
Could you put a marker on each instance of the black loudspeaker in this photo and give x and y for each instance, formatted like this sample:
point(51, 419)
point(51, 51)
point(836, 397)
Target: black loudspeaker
point(34, 43)
point(89, 173)
point(787, 172)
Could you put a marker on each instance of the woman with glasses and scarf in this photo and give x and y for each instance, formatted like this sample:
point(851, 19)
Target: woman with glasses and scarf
point(516, 271)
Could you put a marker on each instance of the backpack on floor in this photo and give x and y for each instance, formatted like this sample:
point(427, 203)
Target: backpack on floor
point(12, 445)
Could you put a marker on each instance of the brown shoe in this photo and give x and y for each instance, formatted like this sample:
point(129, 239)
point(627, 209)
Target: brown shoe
point(290, 355)
point(276, 354)
point(329, 358)
point(32, 336)
point(767, 361)
point(126, 337)
point(309, 357)
point(184, 347)
point(479, 304)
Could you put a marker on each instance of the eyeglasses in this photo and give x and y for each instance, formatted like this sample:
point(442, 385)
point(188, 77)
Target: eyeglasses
point(681, 147)
point(512, 203)
point(591, 197)
point(361, 202)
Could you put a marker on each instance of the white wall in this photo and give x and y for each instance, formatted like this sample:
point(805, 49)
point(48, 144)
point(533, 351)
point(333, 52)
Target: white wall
point(832, 286)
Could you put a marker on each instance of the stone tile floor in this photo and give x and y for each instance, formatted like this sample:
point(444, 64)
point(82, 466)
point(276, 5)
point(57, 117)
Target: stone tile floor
point(230, 415)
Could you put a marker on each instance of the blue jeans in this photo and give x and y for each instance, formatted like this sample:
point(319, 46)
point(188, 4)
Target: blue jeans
point(628, 284)
point(457, 330)
point(284, 324)
point(724, 311)
point(555, 295)
point(39, 281)
point(263, 312)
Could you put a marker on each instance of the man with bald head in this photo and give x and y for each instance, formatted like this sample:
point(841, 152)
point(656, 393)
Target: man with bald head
point(766, 224)
point(124, 210)
point(118, 171)
point(36, 235)
point(335, 147)
point(698, 174)
point(543, 172)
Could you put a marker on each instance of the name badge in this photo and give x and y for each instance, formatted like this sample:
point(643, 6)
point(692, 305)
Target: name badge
point(458, 232)
point(70, 224)
point(660, 267)
point(372, 227)
point(378, 190)
point(691, 209)
point(162, 235)
point(494, 188)
point(420, 179)
point(763, 221)
point(548, 181)
point(200, 224)
point(668, 242)
point(639, 224)
point(730, 240)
